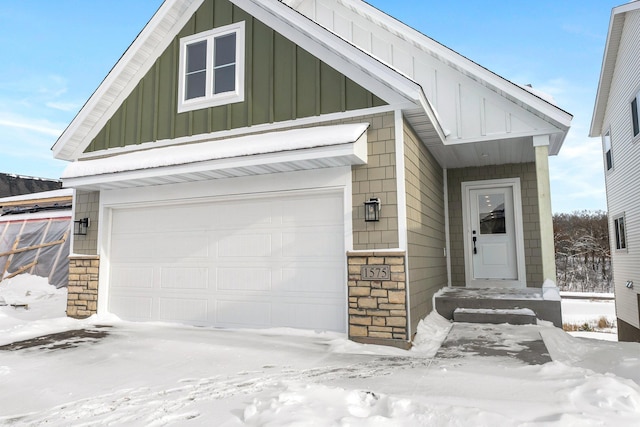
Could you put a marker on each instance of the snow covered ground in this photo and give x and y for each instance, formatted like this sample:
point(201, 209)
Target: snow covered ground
point(103, 371)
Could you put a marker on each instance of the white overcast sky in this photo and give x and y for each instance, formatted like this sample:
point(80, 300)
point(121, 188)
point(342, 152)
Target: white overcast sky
point(56, 53)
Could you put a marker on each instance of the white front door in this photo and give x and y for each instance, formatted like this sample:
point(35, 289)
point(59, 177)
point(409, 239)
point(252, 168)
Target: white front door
point(494, 245)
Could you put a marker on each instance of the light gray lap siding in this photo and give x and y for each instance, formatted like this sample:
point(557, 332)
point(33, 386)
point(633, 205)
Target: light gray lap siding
point(425, 226)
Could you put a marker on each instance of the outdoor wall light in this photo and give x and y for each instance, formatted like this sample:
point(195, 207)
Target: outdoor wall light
point(629, 284)
point(372, 210)
point(80, 226)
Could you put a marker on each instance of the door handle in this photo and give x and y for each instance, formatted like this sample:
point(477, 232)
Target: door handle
point(475, 250)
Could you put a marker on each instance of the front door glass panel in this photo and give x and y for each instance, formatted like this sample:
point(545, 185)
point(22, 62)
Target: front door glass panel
point(492, 213)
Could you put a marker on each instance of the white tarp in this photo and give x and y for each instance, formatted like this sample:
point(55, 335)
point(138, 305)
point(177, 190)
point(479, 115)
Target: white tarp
point(49, 236)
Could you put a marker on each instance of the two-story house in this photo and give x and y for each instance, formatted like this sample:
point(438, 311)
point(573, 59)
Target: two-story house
point(616, 119)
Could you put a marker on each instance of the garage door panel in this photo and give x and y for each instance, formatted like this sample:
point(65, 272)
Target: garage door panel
point(184, 277)
point(243, 313)
point(310, 315)
point(130, 307)
point(310, 243)
point(132, 277)
point(244, 279)
point(190, 310)
point(245, 245)
point(259, 262)
point(320, 209)
point(132, 247)
point(180, 246)
point(173, 218)
point(128, 222)
point(241, 214)
point(321, 279)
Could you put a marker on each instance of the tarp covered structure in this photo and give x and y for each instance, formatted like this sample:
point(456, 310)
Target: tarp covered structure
point(35, 239)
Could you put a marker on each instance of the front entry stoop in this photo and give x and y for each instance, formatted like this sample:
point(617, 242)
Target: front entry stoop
point(518, 316)
point(541, 301)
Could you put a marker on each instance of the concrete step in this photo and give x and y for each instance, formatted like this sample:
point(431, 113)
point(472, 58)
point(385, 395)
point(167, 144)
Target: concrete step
point(516, 316)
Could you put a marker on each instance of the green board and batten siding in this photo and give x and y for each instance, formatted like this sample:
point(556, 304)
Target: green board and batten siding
point(282, 82)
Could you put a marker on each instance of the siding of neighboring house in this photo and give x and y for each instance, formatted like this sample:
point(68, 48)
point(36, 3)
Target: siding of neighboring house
point(623, 197)
point(531, 227)
point(282, 82)
point(425, 226)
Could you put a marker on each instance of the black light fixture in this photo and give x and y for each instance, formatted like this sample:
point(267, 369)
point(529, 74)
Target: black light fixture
point(372, 209)
point(80, 226)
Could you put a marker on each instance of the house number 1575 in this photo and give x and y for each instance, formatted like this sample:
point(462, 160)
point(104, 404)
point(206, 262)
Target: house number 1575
point(375, 272)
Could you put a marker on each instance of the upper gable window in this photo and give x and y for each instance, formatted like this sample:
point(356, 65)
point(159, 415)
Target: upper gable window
point(212, 68)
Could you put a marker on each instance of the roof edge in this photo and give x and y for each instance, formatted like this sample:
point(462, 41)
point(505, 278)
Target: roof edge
point(614, 34)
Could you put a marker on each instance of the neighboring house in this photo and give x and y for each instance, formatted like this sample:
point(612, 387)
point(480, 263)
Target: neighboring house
point(35, 232)
point(226, 160)
point(16, 185)
point(616, 119)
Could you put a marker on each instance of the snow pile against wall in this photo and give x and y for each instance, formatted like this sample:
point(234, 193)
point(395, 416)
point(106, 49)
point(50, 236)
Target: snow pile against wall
point(36, 244)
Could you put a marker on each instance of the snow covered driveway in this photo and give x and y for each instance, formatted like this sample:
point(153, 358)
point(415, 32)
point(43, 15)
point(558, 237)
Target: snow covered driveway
point(139, 374)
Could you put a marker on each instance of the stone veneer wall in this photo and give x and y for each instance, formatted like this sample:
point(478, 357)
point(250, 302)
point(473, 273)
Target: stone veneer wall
point(530, 217)
point(378, 309)
point(82, 290)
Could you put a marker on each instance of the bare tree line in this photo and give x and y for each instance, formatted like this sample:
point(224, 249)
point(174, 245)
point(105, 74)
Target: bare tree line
point(583, 259)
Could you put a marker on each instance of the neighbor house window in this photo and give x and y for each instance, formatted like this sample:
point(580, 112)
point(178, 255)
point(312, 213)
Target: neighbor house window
point(621, 232)
point(212, 68)
point(606, 143)
point(634, 115)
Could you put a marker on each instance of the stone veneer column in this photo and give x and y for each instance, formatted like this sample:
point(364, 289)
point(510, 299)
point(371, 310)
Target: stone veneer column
point(378, 308)
point(82, 290)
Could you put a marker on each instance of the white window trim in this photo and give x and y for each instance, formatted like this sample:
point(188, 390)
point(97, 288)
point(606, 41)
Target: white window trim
point(604, 150)
point(210, 99)
point(616, 233)
point(635, 98)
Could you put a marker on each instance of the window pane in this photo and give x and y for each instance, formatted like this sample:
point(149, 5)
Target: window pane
point(196, 56)
point(224, 79)
point(606, 142)
point(623, 240)
point(225, 50)
point(196, 85)
point(634, 116)
point(491, 210)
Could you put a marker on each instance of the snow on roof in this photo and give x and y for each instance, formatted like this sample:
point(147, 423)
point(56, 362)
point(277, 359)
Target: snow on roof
point(289, 140)
point(66, 192)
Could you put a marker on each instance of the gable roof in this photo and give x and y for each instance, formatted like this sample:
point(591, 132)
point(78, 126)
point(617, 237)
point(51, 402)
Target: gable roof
point(616, 25)
point(409, 38)
point(388, 82)
point(171, 17)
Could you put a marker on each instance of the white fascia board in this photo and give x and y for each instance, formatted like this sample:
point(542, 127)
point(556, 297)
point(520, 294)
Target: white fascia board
point(382, 80)
point(609, 59)
point(459, 62)
point(345, 142)
point(345, 151)
point(156, 36)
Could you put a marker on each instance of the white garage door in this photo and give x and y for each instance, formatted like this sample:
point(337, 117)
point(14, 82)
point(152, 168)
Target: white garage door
point(256, 262)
